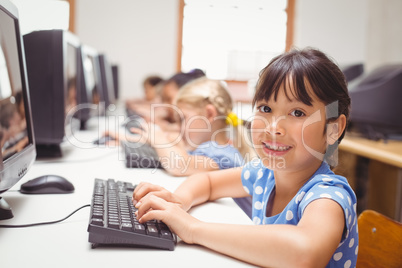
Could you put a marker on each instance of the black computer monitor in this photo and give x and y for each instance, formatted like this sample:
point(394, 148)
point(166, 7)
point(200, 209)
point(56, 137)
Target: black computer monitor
point(352, 71)
point(376, 100)
point(91, 97)
point(116, 82)
point(107, 81)
point(52, 58)
point(16, 131)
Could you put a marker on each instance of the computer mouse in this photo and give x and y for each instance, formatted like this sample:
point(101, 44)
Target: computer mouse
point(47, 184)
point(103, 140)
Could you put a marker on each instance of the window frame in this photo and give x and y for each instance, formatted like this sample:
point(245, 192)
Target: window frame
point(290, 10)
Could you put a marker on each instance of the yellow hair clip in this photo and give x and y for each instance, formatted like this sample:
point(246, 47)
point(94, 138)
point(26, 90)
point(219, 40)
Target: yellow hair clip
point(233, 120)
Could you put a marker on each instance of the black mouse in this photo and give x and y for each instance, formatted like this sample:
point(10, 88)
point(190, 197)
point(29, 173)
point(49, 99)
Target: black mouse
point(103, 140)
point(47, 184)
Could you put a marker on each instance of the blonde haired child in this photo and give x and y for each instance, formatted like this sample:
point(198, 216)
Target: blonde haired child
point(211, 138)
point(304, 214)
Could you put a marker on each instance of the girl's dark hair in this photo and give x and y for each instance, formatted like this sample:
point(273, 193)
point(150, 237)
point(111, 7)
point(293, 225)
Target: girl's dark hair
point(180, 79)
point(153, 80)
point(307, 67)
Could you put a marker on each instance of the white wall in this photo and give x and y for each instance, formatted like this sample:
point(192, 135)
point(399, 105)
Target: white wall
point(367, 31)
point(139, 36)
point(384, 40)
point(337, 27)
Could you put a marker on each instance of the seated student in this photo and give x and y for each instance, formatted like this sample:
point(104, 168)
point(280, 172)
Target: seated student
point(151, 85)
point(205, 141)
point(163, 112)
point(304, 214)
point(166, 114)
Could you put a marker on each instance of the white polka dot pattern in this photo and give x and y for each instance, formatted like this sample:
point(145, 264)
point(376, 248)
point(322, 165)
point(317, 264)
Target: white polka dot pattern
point(260, 182)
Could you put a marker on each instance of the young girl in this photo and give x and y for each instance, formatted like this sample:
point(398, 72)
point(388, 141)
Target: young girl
point(304, 214)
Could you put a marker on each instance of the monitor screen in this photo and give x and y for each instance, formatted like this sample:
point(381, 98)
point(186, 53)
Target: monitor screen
point(16, 131)
point(107, 81)
point(91, 97)
point(115, 74)
point(72, 77)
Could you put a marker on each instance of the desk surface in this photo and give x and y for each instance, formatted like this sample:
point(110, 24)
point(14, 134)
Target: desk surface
point(66, 244)
point(389, 152)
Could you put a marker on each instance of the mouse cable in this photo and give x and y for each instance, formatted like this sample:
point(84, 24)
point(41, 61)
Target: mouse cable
point(43, 223)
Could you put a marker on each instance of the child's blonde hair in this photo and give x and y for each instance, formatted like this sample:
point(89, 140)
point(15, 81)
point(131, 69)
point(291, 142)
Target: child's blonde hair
point(203, 91)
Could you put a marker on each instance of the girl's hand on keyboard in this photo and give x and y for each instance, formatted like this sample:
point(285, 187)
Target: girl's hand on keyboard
point(143, 190)
point(179, 221)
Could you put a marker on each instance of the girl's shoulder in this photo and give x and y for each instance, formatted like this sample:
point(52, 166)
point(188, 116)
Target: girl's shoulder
point(325, 178)
point(331, 186)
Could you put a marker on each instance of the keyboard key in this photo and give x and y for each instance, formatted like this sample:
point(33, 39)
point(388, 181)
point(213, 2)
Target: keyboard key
point(139, 228)
point(152, 230)
point(98, 222)
point(126, 226)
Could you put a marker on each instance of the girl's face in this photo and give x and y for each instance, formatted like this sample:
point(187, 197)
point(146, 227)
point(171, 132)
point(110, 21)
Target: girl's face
point(196, 127)
point(288, 134)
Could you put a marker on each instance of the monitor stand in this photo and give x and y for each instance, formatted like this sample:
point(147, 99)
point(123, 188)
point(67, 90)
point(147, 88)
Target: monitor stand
point(5, 210)
point(48, 150)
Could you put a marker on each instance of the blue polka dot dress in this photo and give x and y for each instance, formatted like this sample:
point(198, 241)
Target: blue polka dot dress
point(259, 182)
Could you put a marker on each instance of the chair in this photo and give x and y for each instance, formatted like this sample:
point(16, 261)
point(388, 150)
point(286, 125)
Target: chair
point(380, 241)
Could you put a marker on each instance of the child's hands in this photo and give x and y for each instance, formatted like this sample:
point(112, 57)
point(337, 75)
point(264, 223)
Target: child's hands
point(152, 207)
point(145, 189)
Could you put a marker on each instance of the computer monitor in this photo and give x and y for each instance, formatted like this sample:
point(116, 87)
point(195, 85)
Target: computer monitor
point(107, 81)
point(16, 131)
point(376, 100)
point(91, 97)
point(52, 58)
point(352, 71)
point(116, 83)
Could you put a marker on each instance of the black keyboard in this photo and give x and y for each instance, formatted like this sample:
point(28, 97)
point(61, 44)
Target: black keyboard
point(141, 155)
point(112, 220)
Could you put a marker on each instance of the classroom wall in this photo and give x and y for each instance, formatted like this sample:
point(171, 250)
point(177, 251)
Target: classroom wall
point(141, 36)
point(367, 31)
point(336, 27)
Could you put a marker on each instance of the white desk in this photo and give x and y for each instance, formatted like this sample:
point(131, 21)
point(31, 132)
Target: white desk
point(66, 244)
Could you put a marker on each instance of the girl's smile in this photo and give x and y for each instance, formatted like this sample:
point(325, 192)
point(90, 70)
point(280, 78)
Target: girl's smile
point(275, 149)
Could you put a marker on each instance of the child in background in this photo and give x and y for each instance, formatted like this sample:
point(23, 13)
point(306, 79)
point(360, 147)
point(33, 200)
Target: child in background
point(150, 85)
point(304, 214)
point(205, 143)
point(171, 86)
point(160, 111)
point(166, 115)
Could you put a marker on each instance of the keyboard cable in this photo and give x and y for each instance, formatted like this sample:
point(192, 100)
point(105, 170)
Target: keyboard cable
point(43, 223)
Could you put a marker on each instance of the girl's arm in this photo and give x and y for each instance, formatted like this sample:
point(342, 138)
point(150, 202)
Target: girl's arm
point(197, 189)
point(309, 244)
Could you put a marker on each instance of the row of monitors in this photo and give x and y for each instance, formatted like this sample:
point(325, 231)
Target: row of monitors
point(69, 83)
point(46, 77)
